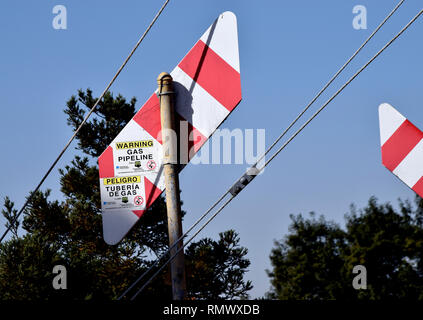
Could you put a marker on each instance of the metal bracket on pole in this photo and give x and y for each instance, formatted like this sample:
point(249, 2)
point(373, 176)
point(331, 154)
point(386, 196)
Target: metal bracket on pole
point(164, 93)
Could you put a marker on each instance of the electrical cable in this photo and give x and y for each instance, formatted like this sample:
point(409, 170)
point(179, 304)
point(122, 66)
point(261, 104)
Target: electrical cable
point(341, 89)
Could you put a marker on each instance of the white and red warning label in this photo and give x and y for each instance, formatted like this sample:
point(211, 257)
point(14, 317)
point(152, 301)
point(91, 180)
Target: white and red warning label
point(132, 157)
point(123, 192)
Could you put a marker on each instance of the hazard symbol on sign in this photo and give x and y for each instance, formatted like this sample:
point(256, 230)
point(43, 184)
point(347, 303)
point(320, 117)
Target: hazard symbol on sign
point(151, 165)
point(138, 200)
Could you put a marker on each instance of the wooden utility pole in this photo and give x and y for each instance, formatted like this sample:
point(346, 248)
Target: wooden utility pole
point(173, 202)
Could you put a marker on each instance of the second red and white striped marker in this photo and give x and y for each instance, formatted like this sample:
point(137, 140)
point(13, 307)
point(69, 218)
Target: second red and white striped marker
point(402, 147)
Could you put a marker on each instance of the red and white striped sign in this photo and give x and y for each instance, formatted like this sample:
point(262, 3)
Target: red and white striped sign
point(207, 85)
point(402, 147)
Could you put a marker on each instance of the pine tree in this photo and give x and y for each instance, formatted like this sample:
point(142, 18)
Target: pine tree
point(69, 232)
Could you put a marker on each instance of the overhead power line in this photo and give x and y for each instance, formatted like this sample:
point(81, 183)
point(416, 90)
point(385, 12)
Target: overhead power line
point(85, 120)
point(239, 185)
point(277, 152)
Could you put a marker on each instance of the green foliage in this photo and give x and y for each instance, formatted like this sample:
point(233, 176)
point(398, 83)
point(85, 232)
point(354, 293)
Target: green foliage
point(316, 259)
point(69, 232)
point(216, 268)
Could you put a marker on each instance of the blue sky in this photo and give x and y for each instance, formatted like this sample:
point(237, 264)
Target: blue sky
point(288, 51)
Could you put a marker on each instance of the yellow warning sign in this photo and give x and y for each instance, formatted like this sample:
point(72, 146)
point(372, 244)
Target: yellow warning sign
point(121, 180)
point(134, 144)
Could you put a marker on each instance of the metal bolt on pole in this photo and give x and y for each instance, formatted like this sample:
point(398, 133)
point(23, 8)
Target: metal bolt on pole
point(173, 202)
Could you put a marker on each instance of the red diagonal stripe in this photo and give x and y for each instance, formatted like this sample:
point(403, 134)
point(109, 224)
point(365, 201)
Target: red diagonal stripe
point(396, 148)
point(105, 163)
point(148, 117)
point(418, 187)
point(214, 74)
point(196, 141)
point(151, 192)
